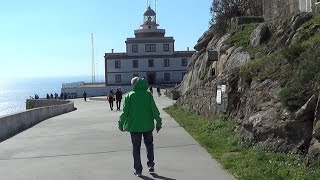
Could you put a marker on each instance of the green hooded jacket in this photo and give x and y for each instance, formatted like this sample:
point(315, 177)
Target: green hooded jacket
point(139, 110)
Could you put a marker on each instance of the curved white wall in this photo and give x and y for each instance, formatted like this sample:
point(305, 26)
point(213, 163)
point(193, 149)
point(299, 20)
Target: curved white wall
point(16, 123)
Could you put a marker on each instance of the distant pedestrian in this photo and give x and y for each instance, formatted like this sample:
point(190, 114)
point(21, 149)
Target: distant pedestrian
point(151, 90)
point(61, 96)
point(56, 96)
point(65, 96)
point(51, 96)
point(85, 95)
point(158, 90)
point(118, 98)
point(138, 115)
point(110, 98)
point(48, 97)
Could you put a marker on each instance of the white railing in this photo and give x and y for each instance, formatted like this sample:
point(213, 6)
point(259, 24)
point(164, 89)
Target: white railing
point(73, 84)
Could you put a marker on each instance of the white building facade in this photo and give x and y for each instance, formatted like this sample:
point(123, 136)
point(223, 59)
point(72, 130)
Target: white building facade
point(306, 5)
point(150, 54)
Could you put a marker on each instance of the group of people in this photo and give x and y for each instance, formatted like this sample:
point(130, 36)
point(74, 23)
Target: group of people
point(111, 97)
point(158, 90)
point(115, 97)
point(36, 96)
point(56, 96)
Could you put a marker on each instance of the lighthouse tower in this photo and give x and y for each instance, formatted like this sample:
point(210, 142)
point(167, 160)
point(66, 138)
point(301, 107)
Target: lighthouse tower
point(149, 28)
point(149, 54)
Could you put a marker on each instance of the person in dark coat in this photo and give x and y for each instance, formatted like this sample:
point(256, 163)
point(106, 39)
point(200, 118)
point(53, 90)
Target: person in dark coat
point(51, 96)
point(158, 90)
point(110, 98)
point(150, 89)
point(118, 98)
point(48, 97)
point(84, 95)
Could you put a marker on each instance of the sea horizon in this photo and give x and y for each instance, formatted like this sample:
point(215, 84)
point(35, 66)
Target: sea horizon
point(15, 91)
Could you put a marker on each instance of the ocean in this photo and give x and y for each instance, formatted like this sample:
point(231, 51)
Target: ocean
point(14, 92)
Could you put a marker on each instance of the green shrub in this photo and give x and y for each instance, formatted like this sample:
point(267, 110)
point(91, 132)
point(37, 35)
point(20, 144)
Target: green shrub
point(291, 53)
point(305, 33)
point(305, 80)
point(289, 98)
point(250, 71)
point(269, 67)
point(241, 37)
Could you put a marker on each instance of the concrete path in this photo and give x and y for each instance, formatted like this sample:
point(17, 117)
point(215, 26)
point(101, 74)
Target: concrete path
point(86, 144)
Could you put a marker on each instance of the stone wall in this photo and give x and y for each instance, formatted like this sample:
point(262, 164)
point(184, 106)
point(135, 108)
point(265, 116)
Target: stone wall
point(16, 123)
point(36, 103)
point(277, 9)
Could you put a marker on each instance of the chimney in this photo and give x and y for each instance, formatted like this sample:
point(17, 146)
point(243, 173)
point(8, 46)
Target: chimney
point(112, 50)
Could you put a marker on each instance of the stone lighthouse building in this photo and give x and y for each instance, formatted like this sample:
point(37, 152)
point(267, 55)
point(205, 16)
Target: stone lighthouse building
point(150, 54)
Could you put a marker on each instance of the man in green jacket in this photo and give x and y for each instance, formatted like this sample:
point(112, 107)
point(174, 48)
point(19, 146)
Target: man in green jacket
point(138, 115)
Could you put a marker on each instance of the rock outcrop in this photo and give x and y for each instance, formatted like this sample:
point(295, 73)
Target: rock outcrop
point(292, 34)
point(260, 116)
point(259, 35)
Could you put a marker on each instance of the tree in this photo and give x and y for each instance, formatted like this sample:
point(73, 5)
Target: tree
point(223, 10)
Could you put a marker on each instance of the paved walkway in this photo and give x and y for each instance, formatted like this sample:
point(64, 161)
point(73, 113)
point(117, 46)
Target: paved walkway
point(86, 144)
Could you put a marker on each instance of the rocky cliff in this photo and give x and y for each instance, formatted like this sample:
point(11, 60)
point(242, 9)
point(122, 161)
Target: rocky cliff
point(217, 83)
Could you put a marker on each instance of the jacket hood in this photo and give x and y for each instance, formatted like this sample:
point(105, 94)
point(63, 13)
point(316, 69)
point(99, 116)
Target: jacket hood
point(141, 85)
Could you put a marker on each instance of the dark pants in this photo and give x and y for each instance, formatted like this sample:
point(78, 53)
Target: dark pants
point(136, 143)
point(111, 105)
point(118, 102)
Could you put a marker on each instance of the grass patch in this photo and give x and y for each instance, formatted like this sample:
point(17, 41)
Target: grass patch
point(218, 137)
point(241, 37)
point(305, 33)
point(272, 67)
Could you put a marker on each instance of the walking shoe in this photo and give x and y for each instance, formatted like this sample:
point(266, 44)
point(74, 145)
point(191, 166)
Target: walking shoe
point(137, 174)
point(151, 169)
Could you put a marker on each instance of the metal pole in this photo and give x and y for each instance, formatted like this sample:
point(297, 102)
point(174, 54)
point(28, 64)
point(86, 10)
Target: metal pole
point(93, 64)
point(155, 7)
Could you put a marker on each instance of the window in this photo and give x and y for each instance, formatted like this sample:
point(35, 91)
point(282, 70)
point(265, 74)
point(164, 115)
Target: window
point(135, 48)
point(150, 63)
point(135, 64)
point(118, 78)
point(135, 75)
point(184, 62)
point(166, 77)
point(165, 47)
point(117, 65)
point(150, 47)
point(166, 62)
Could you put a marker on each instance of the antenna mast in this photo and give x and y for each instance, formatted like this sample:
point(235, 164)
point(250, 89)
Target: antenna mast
point(155, 8)
point(93, 64)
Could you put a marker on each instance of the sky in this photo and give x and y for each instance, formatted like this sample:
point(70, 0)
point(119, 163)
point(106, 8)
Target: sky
point(50, 38)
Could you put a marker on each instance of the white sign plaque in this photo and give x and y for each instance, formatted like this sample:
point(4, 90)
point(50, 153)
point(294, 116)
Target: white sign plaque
point(223, 88)
point(219, 96)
